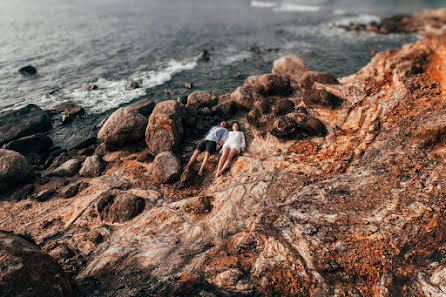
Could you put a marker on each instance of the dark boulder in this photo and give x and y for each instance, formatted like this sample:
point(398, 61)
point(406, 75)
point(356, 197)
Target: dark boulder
point(69, 108)
point(283, 106)
point(22, 122)
point(297, 126)
point(35, 144)
point(28, 71)
point(118, 206)
point(26, 271)
point(321, 98)
point(309, 78)
point(134, 85)
point(85, 143)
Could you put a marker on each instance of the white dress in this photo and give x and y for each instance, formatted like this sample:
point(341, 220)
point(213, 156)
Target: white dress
point(235, 139)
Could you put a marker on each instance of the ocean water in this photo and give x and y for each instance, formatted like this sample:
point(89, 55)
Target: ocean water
point(111, 43)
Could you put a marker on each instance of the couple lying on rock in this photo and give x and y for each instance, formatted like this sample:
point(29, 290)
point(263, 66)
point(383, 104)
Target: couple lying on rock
point(231, 142)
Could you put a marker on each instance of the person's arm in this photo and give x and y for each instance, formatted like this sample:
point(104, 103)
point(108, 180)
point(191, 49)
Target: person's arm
point(242, 143)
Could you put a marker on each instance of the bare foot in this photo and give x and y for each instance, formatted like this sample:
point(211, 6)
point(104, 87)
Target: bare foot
point(217, 174)
point(200, 173)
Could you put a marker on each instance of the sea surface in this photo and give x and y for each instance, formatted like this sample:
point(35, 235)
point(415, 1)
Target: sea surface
point(109, 43)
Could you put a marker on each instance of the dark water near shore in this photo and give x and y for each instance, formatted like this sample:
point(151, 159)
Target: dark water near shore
point(111, 43)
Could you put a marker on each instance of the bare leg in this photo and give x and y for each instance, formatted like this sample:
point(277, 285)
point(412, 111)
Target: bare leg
point(205, 160)
point(222, 160)
point(231, 155)
point(192, 159)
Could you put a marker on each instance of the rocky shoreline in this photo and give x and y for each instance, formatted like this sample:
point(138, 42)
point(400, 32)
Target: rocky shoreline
point(341, 191)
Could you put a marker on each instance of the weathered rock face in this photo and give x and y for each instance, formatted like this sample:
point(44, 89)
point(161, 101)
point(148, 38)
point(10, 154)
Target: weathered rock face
point(166, 167)
point(124, 127)
point(27, 271)
point(22, 122)
point(115, 206)
point(164, 131)
point(357, 212)
point(14, 169)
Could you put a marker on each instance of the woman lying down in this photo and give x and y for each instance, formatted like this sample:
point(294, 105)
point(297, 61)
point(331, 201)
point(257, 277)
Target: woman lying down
point(233, 144)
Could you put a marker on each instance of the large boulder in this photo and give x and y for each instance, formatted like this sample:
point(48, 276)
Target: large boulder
point(291, 66)
point(118, 206)
point(26, 271)
point(22, 122)
point(14, 169)
point(200, 99)
point(164, 131)
point(92, 166)
point(166, 167)
point(243, 96)
point(122, 128)
point(35, 144)
point(269, 84)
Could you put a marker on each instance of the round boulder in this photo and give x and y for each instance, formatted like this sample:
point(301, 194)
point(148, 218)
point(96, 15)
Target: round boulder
point(122, 128)
point(200, 99)
point(14, 168)
point(26, 271)
point(164, 131)
point(92, 166)
point(291, 66)
point(269, 84)
point(243, 96)
point(118, 206)
point(166, 167)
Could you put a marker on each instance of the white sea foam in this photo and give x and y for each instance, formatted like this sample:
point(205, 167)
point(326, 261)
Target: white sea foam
point(297, 7)
point(359, 19)
point(257, 3)
point(112, 93)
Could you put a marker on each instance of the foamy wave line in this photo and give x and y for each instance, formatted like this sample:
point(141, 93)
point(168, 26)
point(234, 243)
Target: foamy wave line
point(360, 19)
point(297, 7)
point(255, 3)
point(111, 94)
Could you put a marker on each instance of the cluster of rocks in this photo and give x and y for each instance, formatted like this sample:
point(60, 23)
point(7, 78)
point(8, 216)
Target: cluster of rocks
point(342, 193)
point(428, 21)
